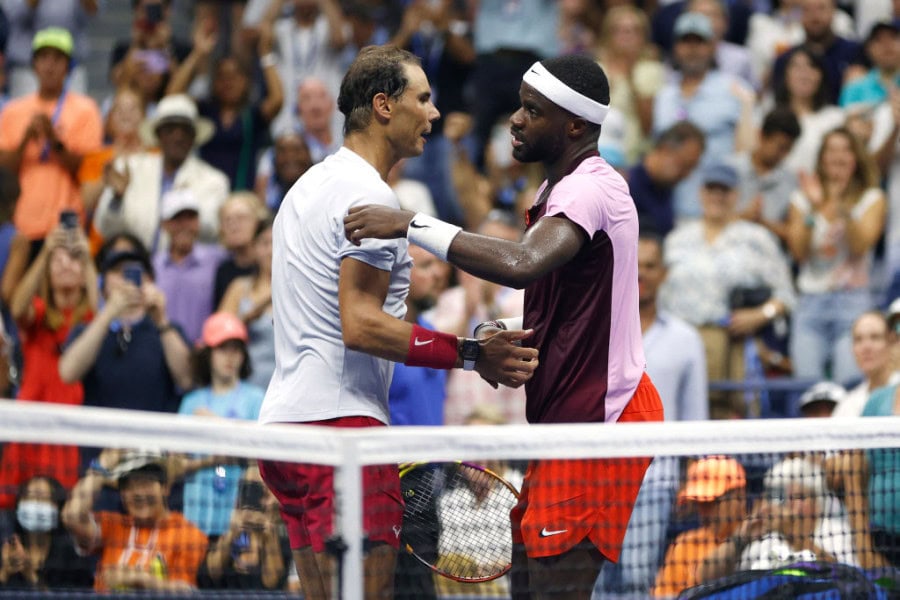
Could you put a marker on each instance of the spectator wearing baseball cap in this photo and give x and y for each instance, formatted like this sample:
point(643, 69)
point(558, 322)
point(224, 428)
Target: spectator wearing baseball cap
point(44, 135)
point(716, 485)
point(146, 547)
point(730, 57)
point(797, 520)
point(28, 19)
point(719, 103)
point(131, 355)
point(186, 270)
point(820, 399)
point(178, 130)
point(221, 365)
point(729, 278)
point(882, 47)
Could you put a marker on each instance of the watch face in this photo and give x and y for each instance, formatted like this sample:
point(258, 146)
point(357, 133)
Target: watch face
point(470, 350)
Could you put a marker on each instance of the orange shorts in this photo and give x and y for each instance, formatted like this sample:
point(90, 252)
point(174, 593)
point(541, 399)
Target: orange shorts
point(564, 502)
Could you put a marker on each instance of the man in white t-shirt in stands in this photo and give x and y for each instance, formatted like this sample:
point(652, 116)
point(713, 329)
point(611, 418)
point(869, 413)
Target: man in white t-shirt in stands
point(338, 311)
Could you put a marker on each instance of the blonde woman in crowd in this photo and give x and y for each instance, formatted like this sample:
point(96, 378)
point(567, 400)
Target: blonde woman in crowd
point(58, 291)
point(635, 74)
point(238, 219)
point(834, 221)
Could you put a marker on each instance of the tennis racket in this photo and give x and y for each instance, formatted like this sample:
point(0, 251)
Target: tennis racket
point(456, 519)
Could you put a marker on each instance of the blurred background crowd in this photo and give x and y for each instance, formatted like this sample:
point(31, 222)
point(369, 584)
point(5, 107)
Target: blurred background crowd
point(146, 146)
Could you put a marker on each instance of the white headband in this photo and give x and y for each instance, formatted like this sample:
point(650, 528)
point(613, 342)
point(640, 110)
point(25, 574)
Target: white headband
point(562, 95)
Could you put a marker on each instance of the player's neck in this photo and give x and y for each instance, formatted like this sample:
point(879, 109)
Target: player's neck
point(374, 150)
point(569, 160)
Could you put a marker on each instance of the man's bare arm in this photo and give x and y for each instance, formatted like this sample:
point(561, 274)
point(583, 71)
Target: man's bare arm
point(362, 291)
point(551, 243)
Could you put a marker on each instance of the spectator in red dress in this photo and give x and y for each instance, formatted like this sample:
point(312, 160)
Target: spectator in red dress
point(58, 291)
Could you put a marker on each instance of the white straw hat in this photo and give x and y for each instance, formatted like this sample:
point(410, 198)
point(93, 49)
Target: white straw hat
point(177, 108)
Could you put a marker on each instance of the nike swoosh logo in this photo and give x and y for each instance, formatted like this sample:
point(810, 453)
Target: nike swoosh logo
point(536, 73)
point(547, 533)
point(419, 342)
point(415, 225)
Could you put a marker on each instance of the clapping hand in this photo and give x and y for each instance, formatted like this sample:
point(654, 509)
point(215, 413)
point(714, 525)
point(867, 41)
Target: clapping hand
point(14, 560)
point(813, 189)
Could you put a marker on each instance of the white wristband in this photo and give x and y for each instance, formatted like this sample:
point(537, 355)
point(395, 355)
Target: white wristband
point(512, 323)
point(432, 234)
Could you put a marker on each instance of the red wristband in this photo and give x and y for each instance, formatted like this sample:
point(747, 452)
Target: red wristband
point(433, 349)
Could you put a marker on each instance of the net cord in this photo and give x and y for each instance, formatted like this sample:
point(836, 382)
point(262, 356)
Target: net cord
point(102, 427)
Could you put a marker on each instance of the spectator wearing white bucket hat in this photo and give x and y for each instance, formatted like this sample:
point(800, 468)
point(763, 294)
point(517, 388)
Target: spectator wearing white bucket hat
point(132, 200)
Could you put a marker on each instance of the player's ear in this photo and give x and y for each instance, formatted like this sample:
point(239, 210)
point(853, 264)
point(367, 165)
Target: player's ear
point(576, 127)
point(381, 106)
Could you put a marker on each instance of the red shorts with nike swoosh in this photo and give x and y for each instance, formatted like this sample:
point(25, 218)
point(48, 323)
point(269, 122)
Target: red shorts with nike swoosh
point(305, 495)
point(564, 502)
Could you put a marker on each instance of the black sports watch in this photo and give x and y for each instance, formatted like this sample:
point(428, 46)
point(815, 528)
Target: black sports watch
point(470, 351)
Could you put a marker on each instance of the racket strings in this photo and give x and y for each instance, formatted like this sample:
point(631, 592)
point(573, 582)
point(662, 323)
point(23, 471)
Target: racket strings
point(472, 507)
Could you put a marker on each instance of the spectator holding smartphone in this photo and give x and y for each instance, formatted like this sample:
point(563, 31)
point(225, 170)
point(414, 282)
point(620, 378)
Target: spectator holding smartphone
point(131, 355)
point(58, 292)
point(250, 554)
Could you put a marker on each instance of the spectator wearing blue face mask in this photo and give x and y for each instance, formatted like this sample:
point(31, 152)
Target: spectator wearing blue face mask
point(37, 552)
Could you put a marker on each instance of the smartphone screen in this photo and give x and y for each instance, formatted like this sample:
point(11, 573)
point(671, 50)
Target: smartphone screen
point(154, 13)
point(68, 219)
point(133, 274)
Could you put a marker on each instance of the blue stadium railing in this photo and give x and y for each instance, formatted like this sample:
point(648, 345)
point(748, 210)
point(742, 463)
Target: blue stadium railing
point(775, 397)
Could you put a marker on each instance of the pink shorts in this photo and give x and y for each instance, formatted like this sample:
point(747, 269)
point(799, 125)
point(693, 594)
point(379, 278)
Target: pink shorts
point(306, 496)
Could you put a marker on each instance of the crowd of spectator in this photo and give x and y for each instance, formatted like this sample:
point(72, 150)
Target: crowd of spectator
point(759, 139)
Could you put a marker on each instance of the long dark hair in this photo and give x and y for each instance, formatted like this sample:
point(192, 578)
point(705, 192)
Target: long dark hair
point(201, 364)
point(820, 98)
point(58, 496)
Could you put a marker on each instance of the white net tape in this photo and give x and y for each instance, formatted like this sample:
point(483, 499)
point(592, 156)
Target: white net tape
point(350, 450)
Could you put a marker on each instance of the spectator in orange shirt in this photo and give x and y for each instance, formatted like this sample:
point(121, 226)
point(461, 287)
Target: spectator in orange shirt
point(43, 137)
point(147, 548)
point(717, 486)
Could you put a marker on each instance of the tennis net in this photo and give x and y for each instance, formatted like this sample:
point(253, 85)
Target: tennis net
point(720, 499)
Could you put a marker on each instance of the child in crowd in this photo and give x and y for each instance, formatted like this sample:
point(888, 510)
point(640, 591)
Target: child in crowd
point(220, 365)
